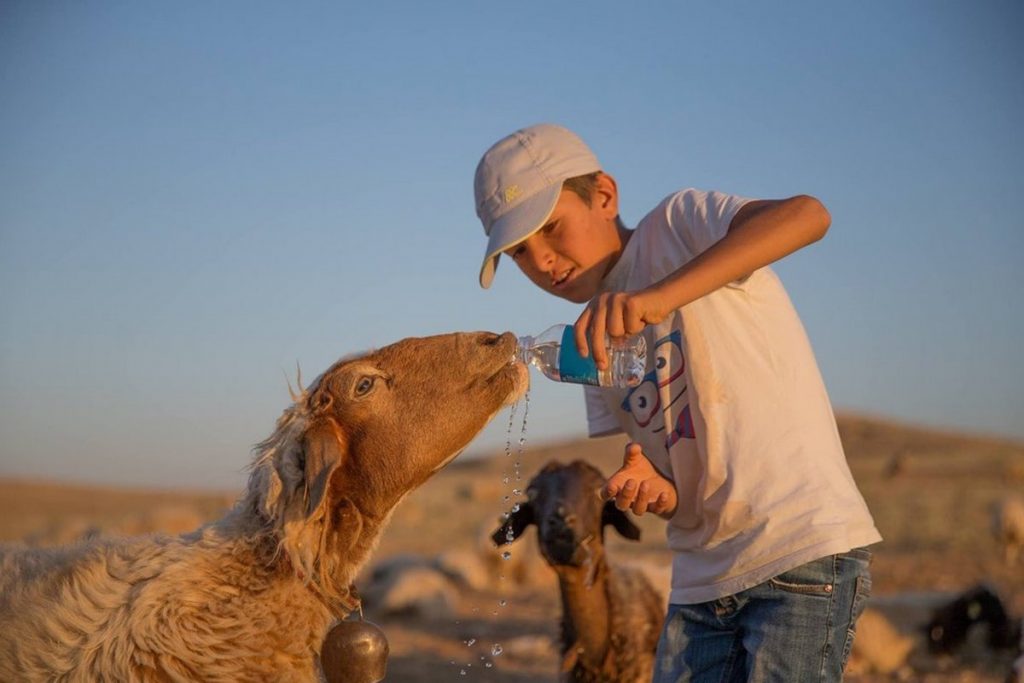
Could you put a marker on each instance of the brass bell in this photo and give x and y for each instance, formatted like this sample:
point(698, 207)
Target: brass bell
point(354, 652)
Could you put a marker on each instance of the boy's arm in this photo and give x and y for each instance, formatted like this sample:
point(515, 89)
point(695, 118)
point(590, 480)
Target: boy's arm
point(639, 487)
point(761, 232)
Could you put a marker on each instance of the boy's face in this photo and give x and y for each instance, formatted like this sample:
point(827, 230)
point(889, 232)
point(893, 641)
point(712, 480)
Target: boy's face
point(572, 252)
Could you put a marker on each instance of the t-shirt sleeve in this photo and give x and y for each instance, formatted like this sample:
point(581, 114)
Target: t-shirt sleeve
point(600, 420)
point(702, 218)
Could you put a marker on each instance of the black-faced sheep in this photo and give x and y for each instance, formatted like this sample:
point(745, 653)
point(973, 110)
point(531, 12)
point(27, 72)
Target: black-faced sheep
point(980, 606)
point(611, 616)
point(252, 596)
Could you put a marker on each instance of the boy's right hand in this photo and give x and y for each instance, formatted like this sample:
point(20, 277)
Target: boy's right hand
point(637, 486)
point(617, 314)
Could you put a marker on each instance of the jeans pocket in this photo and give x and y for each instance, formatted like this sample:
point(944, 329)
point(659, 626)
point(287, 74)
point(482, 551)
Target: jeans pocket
point(814, 578)
point(862, 591)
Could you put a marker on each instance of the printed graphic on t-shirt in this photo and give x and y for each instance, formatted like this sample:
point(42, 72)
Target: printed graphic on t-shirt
point(663, 392)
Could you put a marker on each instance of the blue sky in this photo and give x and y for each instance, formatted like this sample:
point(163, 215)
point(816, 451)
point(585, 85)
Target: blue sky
point(194, 197)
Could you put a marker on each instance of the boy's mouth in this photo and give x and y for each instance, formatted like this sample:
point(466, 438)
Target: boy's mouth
point(558, 280)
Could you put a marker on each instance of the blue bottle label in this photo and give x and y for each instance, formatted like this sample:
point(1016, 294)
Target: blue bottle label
point(572, 367)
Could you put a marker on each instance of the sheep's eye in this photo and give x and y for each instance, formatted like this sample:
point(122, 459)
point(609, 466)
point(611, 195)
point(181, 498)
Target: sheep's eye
point(364, 386)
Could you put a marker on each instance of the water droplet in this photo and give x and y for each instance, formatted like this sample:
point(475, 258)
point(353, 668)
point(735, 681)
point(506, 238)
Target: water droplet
point(496, 650)
point(462, 672)
point(470, 642)
point(505, 555)
point(502, 603)
point(488, 665)
point(516, 492)
point(511, 421)
point(515, 508)
point(504, 480)
point(506, 499)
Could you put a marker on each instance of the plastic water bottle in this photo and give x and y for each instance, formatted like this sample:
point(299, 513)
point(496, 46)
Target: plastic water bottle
point(554, 353)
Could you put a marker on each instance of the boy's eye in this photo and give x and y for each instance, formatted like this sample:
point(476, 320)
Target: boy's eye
point(516, 252)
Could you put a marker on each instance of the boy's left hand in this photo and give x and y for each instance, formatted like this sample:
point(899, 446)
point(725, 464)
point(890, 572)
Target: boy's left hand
point(639, 487)
point(617, 314)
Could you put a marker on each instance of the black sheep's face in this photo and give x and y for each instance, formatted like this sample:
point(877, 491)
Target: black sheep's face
point(568, 508)
point(565, 504)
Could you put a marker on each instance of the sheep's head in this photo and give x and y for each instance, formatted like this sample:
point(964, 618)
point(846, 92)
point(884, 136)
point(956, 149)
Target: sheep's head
point(368, 431)
point(565, 504)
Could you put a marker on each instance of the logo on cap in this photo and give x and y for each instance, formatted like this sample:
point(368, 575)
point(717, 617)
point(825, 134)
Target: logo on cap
point(511, 192)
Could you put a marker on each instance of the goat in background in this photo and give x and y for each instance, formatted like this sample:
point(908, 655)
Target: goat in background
point(611, 616)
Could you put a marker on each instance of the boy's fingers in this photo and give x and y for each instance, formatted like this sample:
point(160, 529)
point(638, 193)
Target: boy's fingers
point(632, 459)
point(598, 327)
point(660, 504)
point(580, 331)
point(642, 499)
point(614, 316)
point(625, 496)
point(633, 455)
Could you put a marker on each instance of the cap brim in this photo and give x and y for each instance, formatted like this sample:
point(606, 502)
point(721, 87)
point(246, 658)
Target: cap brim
point(515, 226)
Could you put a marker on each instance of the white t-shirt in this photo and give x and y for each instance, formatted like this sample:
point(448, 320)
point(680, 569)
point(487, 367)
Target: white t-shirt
point(734, 410)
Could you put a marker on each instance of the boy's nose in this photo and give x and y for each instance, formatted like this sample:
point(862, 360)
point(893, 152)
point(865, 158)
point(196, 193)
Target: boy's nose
point(537, 254)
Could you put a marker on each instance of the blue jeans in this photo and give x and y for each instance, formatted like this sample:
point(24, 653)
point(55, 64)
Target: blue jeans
point(795, 628)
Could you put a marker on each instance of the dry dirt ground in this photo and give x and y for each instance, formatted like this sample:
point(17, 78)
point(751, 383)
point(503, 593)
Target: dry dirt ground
point(930, 494)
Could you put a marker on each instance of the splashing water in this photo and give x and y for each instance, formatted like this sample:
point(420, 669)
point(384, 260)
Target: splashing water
point(511, 423)
point(522, 434)
point(506, 480)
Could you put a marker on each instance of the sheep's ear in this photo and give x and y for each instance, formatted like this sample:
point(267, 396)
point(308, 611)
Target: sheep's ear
point(323, 449)
point(618, 519)
point(514, 526)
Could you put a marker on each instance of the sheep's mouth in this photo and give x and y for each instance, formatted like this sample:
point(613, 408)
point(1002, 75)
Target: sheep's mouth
point(516, 375)
point(560, 548)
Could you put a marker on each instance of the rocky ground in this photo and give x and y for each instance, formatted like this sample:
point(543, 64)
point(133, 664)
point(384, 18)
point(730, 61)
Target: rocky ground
point(453, 609)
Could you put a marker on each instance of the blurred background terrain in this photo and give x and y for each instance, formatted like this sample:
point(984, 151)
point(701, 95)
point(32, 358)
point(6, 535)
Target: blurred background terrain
point(931, 494)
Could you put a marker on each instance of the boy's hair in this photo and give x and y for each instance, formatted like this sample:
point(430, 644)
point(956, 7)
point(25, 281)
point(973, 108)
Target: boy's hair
point(583, 186)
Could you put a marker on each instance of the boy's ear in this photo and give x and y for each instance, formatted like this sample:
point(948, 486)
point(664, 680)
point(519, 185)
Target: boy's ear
point(607, 195)
point(618, 519)
point(514, 526)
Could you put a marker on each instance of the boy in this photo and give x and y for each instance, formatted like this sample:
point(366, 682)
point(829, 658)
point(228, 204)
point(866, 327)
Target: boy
point(733, 437)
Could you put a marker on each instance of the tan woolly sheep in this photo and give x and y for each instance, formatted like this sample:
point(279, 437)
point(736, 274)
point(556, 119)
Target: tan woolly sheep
point(252, 596)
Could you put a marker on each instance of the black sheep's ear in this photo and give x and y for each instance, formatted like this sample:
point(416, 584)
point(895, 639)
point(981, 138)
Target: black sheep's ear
point(514, 526)
point(618, 519)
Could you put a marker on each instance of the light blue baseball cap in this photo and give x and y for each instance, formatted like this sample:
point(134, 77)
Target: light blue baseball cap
point(517, 184)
